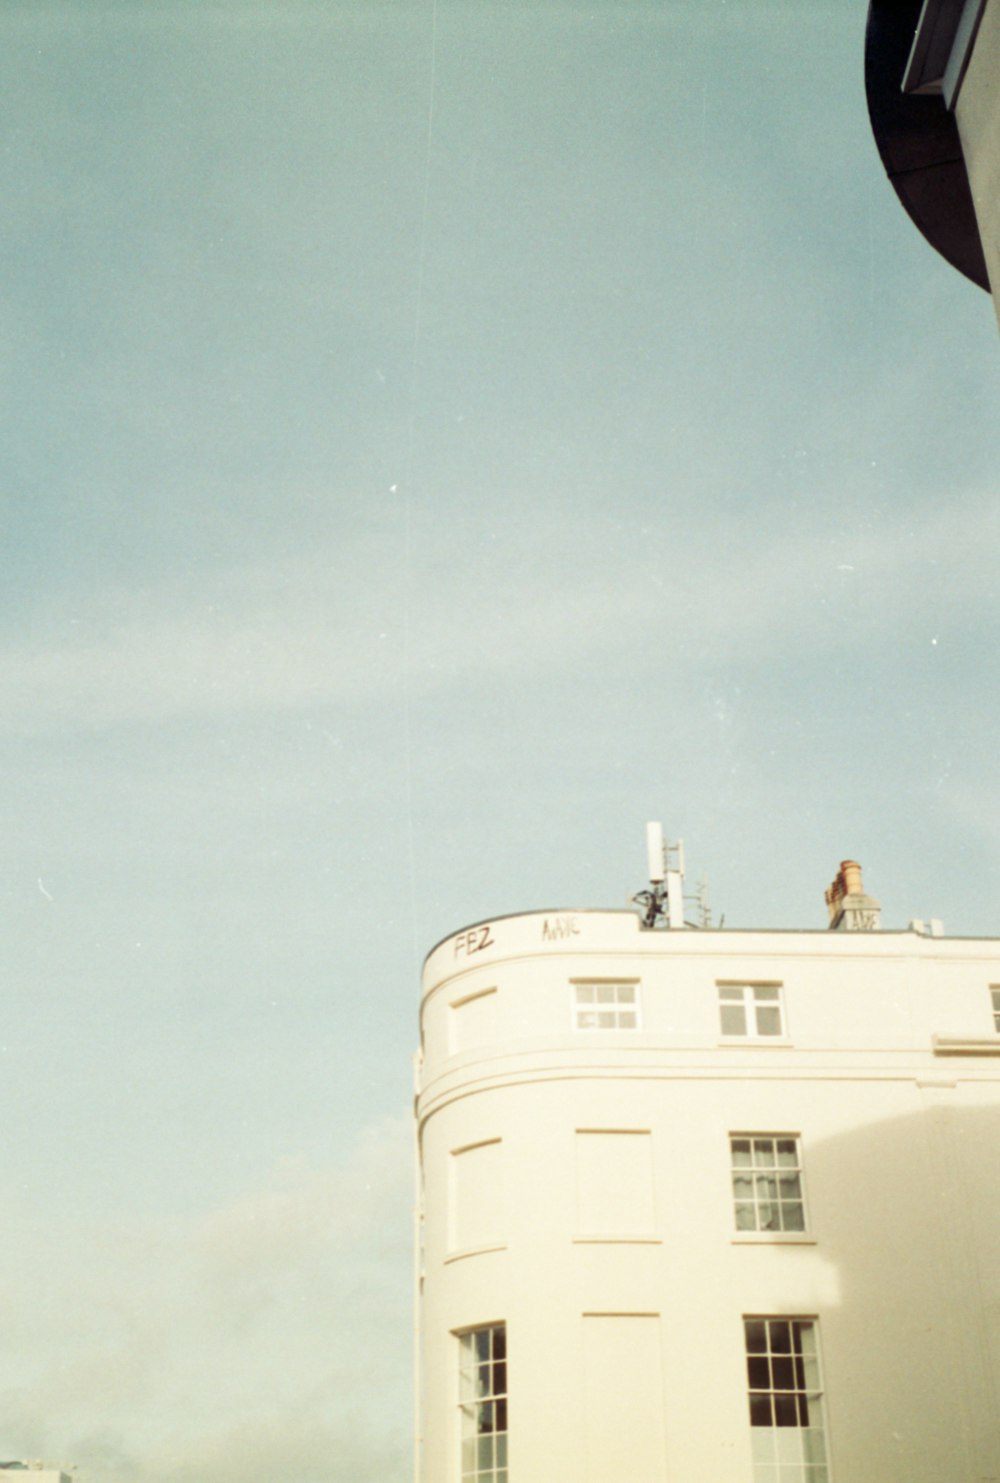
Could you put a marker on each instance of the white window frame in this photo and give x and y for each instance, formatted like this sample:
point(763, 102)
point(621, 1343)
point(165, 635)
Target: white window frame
point(606, 1004)
point(762, 1171)
point(482, 1404)
point(755, 1002)
point(786, 1396)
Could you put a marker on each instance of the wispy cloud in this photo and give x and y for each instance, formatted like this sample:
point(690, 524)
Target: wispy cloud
point(291, 637)
point(278, 1327)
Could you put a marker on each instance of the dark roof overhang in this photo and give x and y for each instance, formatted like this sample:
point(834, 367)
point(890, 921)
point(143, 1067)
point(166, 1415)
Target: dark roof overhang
point(917, 138)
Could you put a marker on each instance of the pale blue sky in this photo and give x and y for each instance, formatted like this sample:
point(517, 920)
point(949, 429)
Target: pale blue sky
point(435, 441)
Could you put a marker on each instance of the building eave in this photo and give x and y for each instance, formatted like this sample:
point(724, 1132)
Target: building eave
point(918, 141)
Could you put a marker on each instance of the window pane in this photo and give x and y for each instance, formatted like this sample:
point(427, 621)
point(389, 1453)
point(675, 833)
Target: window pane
point(763, 1151)
point(731, 992)
point(746, 1217)
point(767, 1189)
point(782, 1374)
point(626, 993)
point(741, 1151)
point(500, 1342)
point(768, 1021)
point(788, 1152)
point(626, 1019)
point(734, 1020)
point(762, 1445)
point(760, 1410)
point(606, 993)
point(780, 1336)
point(501, 1415)
point(756, 1332)
point(765, 993)
point(585, 993)
point(482, 1338)
point(786, 1412)
point(788, 1446)
point(758, 1373)
point(792, 1218)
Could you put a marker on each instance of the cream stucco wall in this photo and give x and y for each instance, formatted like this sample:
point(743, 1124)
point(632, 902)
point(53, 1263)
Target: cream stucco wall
point(625, 1332)
point(977, 112)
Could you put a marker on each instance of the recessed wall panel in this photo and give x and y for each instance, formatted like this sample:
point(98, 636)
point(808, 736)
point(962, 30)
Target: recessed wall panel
point(623, 1380)
point(472, 1021)
point(614, 1183)
point(476, 1196)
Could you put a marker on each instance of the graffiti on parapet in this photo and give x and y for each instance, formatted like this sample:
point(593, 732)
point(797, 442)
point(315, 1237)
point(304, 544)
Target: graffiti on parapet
point(474, 940)
point(557, 929)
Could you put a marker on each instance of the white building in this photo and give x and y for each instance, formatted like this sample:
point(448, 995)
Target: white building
point(709, 1206)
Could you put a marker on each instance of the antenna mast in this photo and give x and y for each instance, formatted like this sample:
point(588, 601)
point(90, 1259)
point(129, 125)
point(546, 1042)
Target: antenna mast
point(663, 903)
point(700, 898)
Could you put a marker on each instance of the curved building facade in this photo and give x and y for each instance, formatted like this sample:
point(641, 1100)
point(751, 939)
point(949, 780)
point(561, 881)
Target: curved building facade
point(706, 1205)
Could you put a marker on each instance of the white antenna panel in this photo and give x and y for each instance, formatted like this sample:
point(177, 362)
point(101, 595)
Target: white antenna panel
point(654, 852)
point(675, 899)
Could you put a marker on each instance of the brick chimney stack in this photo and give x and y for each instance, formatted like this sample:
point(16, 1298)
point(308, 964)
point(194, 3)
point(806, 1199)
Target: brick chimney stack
point(850, 909)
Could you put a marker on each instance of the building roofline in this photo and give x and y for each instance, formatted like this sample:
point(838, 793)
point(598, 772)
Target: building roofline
point(701, 932)
point(918, 141)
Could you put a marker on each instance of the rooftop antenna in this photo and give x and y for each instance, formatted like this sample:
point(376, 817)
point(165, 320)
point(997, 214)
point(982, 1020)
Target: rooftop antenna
point(663, 904)
point(701, 903)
